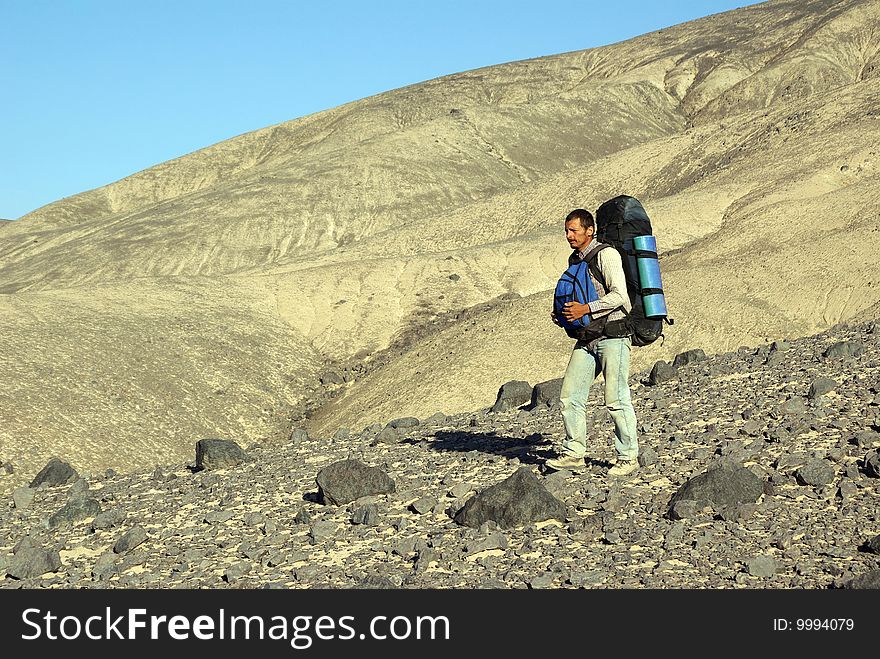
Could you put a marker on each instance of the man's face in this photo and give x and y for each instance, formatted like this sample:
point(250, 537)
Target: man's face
point(576, 235)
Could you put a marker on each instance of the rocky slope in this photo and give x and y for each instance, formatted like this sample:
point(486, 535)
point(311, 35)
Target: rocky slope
point(793, 424)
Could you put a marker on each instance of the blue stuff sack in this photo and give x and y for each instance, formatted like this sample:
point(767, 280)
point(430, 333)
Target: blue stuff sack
point(574, 285)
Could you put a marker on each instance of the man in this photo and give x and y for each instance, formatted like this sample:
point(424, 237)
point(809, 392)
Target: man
point(606, 354)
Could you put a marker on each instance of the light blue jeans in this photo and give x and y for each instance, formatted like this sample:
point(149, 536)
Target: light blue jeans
point(611, 358)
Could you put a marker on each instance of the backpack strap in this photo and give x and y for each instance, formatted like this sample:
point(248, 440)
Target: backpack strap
point(590, 257)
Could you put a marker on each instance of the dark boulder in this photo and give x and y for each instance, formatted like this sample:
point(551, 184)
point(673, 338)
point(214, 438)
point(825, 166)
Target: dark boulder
point(519, 500)
point(815, 473)
point(218, 454)
point(873, 545)
point(820, 387)
point(867, 581)
point(368, 514)
point(31, 562)
point(108, 519)
point(511, 395)
point(75, 510)
point(689, 357)
point(546, 394)
point(723, 485)
point(662, 372)
point(404, 422)
point(56, 472)
point(844, 349)
point(344, 481)
point(387, 435)
point(648, 456)
point(436, 419)
point(129, 540)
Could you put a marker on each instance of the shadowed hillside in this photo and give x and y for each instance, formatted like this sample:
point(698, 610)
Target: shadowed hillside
point(355, 237)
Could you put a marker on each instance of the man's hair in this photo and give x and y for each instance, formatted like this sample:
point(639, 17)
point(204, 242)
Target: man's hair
point(585, 217)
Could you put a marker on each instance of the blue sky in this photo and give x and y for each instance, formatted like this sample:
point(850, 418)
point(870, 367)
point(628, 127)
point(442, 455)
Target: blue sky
point(92, 91)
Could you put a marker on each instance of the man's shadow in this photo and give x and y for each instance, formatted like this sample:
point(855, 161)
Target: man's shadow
point(532, 449)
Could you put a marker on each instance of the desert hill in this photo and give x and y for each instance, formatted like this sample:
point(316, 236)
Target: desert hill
point(255, 266)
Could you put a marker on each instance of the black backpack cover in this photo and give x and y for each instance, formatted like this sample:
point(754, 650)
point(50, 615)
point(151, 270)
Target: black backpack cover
point(618, 221)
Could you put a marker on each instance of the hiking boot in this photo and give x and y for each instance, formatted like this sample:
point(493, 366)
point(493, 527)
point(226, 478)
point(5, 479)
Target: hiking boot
point(623, 468)
point(567, 462)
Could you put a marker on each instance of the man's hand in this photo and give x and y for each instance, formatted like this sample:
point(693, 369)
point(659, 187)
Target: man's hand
point(555, 319)
point(572, 311)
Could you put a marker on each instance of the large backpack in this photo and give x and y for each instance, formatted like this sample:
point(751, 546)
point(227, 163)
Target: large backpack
point(575, 285)
point(623, 223)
